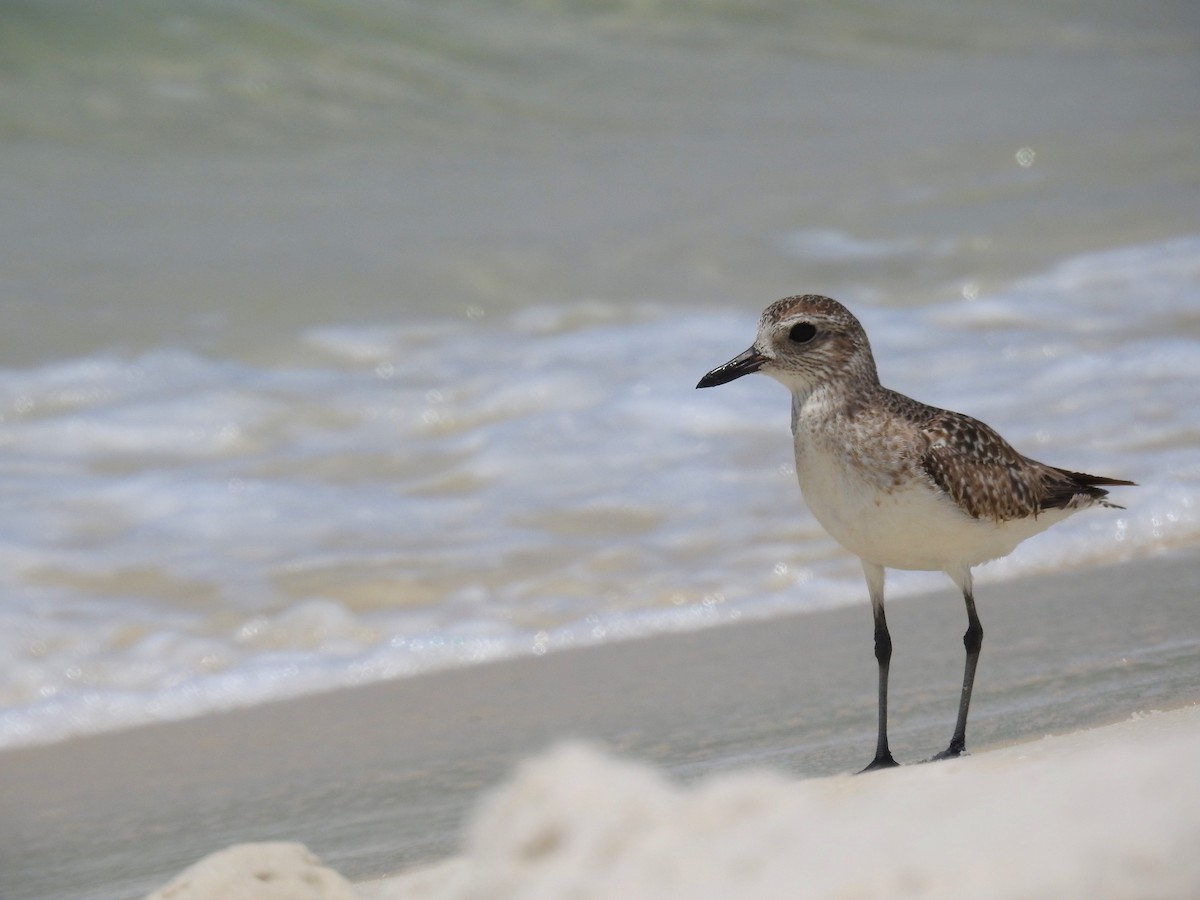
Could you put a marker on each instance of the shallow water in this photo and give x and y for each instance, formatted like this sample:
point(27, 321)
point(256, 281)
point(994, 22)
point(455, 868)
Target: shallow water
point(360, 339)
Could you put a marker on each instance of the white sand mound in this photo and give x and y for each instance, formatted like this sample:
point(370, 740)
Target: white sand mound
point(1085, 816)
point(1108, 814)
point(271, 871)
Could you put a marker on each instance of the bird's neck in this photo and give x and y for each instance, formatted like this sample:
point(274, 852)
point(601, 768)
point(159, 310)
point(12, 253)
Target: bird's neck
point(829, 406)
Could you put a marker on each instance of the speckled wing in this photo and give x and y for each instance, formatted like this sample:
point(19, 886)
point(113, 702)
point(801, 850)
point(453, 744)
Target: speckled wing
point(982, 473)
point(988, 479)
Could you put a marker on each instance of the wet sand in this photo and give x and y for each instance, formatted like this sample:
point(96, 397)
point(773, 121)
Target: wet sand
point(379, 779)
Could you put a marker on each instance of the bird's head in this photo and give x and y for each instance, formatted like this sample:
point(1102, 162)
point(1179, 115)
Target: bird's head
point(803, 342)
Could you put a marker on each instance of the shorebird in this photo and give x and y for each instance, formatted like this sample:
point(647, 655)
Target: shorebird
point(900, 484)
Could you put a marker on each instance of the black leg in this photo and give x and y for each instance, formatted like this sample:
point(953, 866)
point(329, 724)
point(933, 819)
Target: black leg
point(972, 641)
point(883, 655)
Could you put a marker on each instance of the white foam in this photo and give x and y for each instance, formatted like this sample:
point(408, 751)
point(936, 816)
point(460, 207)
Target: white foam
point(181, 533)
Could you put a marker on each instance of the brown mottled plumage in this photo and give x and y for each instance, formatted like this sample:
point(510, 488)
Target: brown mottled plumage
point(986, 477)
point(899, 483)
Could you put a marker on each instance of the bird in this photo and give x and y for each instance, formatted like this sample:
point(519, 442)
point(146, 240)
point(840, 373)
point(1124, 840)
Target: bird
point(899, 483)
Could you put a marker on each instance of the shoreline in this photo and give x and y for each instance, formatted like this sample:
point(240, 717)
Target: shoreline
point(378, 779)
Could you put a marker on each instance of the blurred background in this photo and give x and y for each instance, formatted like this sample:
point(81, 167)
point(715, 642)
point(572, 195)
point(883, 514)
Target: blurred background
point(346, 339)
point(222, 174)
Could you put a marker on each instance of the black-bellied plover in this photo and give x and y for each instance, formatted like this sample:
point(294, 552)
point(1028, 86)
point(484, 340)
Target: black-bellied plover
point(900, 484)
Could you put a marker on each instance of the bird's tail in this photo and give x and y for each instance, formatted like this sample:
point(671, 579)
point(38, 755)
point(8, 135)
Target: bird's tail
point(1088, 489)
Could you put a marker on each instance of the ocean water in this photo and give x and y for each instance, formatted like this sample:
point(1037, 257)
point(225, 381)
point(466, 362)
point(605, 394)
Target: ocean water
point(348, 341)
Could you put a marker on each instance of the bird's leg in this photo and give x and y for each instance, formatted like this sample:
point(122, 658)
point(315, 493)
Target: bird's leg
point(972, 641)
point(883, 655)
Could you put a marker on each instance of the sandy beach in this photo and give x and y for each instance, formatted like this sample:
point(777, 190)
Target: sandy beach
point(361, 522)
point(383, 779)
point(1101, 813)
point(1044, 818)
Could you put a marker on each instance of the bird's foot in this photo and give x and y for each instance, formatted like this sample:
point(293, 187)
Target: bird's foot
point(954, 751)
point(881, 761)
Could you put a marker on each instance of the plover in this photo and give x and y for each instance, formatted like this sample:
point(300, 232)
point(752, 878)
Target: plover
point(900, 484)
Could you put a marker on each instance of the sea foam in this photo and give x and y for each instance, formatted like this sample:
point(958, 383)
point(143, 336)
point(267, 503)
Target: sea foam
point(182, 533)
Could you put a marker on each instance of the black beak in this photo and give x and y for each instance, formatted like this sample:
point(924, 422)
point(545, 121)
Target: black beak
point(742, 364)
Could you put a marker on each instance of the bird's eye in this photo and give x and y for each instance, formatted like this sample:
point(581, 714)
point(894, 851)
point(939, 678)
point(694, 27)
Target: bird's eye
point(802, 333)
